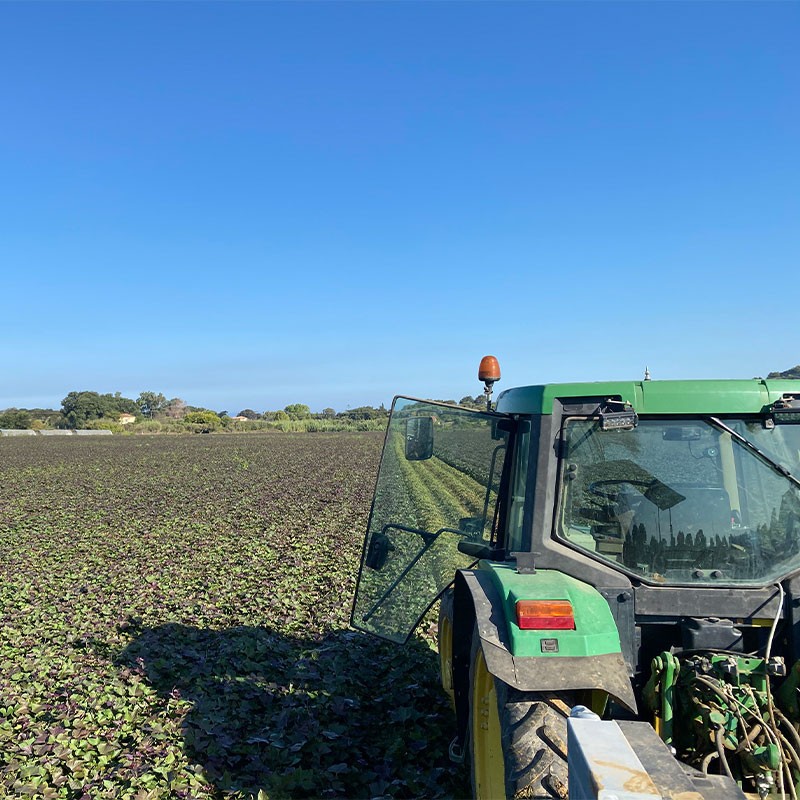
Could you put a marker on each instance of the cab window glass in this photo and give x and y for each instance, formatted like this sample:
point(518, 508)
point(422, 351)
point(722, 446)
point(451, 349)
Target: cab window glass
point(677, 502)
point(516, 500)
point(437, 487)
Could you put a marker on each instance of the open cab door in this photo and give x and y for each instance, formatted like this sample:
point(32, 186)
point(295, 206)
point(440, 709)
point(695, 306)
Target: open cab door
point(433, 511)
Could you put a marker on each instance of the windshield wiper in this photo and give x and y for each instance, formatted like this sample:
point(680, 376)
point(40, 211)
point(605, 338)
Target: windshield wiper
point(779, 468)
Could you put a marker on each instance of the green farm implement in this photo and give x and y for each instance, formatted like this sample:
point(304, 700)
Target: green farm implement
point(615, 562)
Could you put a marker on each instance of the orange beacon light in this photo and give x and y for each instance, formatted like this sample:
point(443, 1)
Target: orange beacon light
point(489, 372)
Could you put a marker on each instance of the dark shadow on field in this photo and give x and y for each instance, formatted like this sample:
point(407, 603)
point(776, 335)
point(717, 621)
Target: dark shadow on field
point(343, 716)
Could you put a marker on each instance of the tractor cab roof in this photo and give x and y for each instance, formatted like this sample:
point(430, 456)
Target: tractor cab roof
point(655, 397)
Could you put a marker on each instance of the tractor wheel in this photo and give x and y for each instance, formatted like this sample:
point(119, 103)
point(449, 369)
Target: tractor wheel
point(445, 640)
point(517, 741)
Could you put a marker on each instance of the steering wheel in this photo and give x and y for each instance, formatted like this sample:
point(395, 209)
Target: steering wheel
point(598, 487)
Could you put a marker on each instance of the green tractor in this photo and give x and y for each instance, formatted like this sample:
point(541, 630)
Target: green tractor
point(628, 548)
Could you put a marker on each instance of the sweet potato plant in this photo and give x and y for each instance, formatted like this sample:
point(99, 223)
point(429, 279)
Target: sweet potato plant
point(173, 624)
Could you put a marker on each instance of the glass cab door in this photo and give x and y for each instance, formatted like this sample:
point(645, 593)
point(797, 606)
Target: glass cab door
point(434, 503)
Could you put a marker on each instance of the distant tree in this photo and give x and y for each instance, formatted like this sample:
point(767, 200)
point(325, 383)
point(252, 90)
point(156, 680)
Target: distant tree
point(150, 403)
point(328, 413)
point(249, 413)
point(175, 408)
point(279, 416)
point(364, 412)
point(78, 408)
point(298, 411)
point(201, 416)
point(15, 418)
point(122, 405)
point(792, 374)
point(44, 417)
point(477, 402)
point(203, 421)
point(222, 414)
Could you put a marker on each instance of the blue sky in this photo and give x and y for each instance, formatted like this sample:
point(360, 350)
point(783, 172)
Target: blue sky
point(253, 204)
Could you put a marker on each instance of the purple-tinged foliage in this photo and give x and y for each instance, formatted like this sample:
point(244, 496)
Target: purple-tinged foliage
point(173, 623)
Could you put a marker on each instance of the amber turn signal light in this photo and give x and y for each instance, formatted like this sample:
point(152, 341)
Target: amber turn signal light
point(545, 615)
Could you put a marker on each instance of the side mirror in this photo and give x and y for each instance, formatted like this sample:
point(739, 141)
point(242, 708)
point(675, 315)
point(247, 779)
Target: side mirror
point(378, 551)
point(419, 438)
point(501, 428)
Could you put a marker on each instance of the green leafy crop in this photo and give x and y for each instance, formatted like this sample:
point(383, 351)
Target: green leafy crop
point(173, 624)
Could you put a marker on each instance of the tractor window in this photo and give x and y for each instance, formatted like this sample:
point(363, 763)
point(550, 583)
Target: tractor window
point(677, 502)
point(780, 442)
point(437, 488)
point(516, 501)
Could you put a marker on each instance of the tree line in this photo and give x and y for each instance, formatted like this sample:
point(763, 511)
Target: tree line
point(79, 409)
point(153, 411)
point(791, 374)
point(89, 409)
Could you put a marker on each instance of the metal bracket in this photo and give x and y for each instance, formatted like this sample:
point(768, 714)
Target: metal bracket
point(526, 563)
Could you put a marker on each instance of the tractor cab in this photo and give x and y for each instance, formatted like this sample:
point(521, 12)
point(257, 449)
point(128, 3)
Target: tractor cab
point(633, 547)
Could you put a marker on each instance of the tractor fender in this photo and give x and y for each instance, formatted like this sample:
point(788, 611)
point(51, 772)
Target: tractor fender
point(478, 605)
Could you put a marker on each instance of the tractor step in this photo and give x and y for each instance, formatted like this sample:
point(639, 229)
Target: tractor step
point(628, 761)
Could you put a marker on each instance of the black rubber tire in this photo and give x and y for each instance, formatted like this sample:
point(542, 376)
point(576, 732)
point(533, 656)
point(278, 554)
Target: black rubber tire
point(532, 733)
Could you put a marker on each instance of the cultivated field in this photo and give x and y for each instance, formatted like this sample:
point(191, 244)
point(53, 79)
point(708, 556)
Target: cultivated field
point(173, 623)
